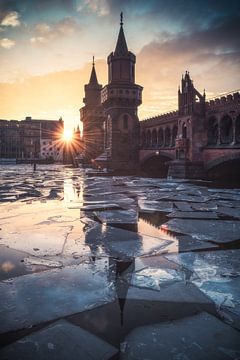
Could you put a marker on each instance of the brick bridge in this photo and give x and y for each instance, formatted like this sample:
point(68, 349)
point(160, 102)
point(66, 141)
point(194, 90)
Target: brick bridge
point(201, 139)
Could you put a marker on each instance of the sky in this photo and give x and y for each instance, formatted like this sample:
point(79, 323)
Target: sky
point(46, 49)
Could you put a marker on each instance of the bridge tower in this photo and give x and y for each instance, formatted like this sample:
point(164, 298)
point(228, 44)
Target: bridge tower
point(92, 116)
point(191, 136)
point(120, 99)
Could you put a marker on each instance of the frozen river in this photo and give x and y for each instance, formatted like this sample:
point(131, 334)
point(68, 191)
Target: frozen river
point(117, 267)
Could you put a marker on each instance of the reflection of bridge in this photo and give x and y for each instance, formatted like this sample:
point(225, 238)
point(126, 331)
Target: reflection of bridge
point(201, 138)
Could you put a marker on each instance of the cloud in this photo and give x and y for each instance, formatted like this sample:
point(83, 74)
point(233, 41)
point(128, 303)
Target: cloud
point(45, 33)
point(211, 55)
point(100, 7)
point(11, 19)
point(7, 43)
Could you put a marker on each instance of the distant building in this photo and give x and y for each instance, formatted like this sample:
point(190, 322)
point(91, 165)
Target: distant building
point(31, 139)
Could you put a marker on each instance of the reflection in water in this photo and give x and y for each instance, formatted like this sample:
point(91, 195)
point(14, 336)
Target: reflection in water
point(149, 224)
point(72, 192)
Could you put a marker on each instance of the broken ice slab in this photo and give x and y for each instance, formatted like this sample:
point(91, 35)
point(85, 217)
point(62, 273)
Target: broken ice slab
point(114, 198)
point(186, 197)
point(12, 263)
point(121, 217)
point(216, 273)
point(99, 207)
point(187, 243)
point(193, 215)
point(151, 205)
point(219, 231)
point(61, 340)
point(32, 299)
point(125, 244)
point(208, 206)
point(224, 210)
point(152, 278)
point(41, 226)
point(179, 295)
point(202, 336)
point(183, 206)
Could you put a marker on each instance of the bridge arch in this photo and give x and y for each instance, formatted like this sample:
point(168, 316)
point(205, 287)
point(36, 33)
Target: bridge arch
point(174, 134)
point(154, 138)
point(225, 168)
point(167, 137)
point(160, 137)
point(156, 164)
point(212, 130)
point(149, 139)
point(237, 129)
point(226, 130)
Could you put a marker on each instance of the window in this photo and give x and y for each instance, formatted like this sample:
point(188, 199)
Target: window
point(125, 121)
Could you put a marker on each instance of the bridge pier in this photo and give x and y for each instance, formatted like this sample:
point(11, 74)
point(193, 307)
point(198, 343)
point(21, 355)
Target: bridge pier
point(185, 169)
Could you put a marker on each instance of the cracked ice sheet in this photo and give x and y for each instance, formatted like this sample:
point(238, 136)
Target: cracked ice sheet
point(117, 217)
point(124, 243)
point(193, 215)
point(32, 299)
point(202, 336)
point(151, 205)
point(152, 278)
point(219, 231)
point(38, 228)
point(216, 273)
point(61, 340)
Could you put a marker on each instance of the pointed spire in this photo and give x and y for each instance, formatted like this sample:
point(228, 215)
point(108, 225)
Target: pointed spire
point(121, 46)
point(93, 77)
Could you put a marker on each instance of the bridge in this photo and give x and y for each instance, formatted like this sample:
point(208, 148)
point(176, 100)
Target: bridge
point(200, 139)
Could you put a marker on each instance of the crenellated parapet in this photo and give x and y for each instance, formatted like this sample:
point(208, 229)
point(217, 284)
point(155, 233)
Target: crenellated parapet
point(223, 101)
point(159, 119)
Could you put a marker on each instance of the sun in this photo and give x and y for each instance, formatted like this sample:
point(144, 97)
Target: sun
point(67, 135)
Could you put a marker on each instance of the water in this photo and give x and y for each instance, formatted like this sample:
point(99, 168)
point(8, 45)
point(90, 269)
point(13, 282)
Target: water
point(57, 226)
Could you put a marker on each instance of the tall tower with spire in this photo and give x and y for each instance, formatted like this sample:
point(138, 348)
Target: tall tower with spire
point(92, 116)
point(120, 99)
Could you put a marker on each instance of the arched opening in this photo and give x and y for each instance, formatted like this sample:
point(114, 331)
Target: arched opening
point(184, 131)
point(156, 166)
point(226, 130)
point(154, 138)
point(125, 122)
point(226, 174)
point(174, 134)
point(143, 142)
point(167, 137)
point(237, 130)
point(212, 131)
point(160, 137)
point(149, 138)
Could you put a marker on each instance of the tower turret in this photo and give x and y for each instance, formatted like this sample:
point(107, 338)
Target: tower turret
point(120, 99)
point(92, 116)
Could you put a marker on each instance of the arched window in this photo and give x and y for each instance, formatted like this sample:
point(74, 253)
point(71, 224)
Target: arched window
point(154, 138)
point(149, 138)
point(143, 139)
point(160, 137)
point(125, 121)
point(184, 131)
point(212, 131)
point(167, 137)
point(174, 134)
point(226, 130)
point(237, 132)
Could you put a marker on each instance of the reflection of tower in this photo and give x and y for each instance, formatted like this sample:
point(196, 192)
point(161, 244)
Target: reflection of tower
point(92, 116)
point(127, 267)
point(120, 99)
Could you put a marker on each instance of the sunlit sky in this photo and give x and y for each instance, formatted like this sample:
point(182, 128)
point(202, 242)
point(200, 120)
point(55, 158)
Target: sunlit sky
point(46, 49)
